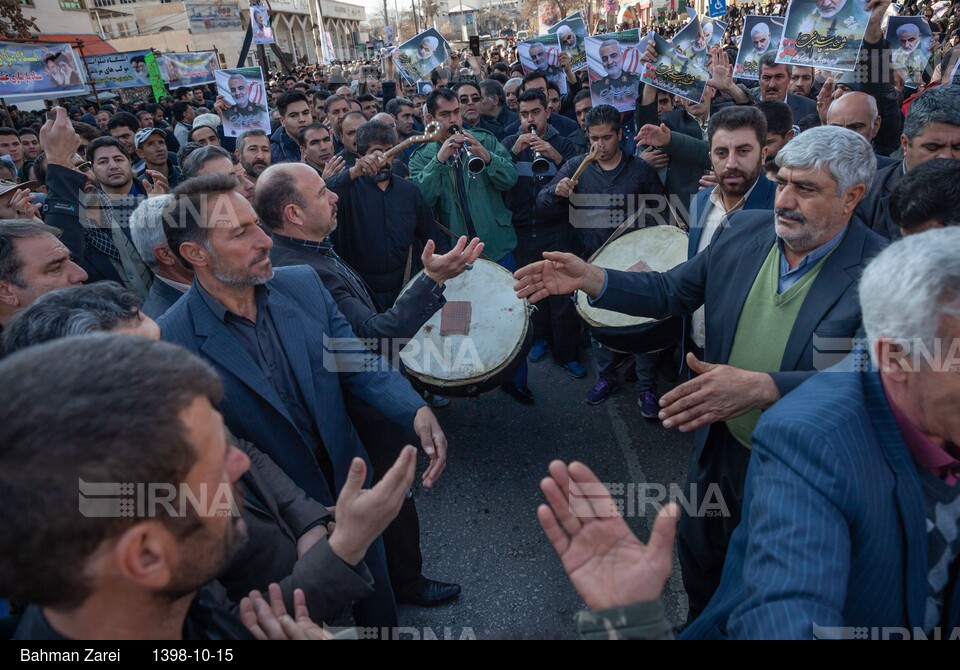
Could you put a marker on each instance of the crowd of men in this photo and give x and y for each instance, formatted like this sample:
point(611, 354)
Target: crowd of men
point(121, 227)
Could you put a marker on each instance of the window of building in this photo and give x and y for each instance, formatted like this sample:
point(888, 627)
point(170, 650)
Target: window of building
point(72, 5)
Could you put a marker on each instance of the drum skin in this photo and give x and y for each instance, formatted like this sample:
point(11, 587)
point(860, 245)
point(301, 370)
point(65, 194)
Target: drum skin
point(661, 248)
point(500, 336)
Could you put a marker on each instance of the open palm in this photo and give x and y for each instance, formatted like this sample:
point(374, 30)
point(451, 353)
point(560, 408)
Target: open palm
point(608, 565)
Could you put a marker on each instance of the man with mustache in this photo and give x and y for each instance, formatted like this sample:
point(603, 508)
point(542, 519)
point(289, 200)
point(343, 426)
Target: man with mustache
point(243, 113)
point(769, 292)
point(253, 150)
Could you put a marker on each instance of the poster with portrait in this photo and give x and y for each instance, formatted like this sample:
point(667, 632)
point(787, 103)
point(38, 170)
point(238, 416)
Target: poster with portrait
point(700, 34)
point(761, 34)
point(825, 34)
point(119, 70)
point(206, 16)
point(673, 72)
point(243, 91)
point(415, 58)
point(260, 21)
point(424, 87)
point(190, 68)
point(613, 65)
point(548, 15)
point(909, 38)
point(35, 70)
point(572, 32)
point(542, 54)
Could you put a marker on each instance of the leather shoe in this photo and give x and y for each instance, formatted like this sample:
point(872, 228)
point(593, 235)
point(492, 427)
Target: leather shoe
point(520, 393)
point(433, 593)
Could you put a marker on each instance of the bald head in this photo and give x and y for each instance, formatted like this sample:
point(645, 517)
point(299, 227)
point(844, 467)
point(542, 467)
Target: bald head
point(387, 119)
point(855, 111)
point(292, 199)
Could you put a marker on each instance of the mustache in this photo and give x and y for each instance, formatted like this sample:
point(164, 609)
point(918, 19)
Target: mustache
point(733, 173)
point(790, 215)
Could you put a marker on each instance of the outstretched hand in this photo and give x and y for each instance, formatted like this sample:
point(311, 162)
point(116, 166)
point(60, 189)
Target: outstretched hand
point(441, 268)
point(607, 564)
point(558, 274)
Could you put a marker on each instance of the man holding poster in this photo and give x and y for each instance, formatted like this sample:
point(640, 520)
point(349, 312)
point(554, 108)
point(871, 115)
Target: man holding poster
point(535, 55)
point(615, 87)
point(244, 114)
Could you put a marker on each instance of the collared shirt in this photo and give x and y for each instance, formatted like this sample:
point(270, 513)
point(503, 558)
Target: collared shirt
point(183, 288)
point(703, 124)
point(790, 277)
point(325, 248)
point(262, 342)
point(943, 462)
point(712, 223)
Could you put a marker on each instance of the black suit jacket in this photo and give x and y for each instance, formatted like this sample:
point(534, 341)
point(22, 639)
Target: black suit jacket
point(413, 309)
point(160, 298)
point(720, 277)
point(874, 209)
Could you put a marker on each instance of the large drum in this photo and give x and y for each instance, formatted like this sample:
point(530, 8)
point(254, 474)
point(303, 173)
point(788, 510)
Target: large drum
point(474, 343)
point(657, 249)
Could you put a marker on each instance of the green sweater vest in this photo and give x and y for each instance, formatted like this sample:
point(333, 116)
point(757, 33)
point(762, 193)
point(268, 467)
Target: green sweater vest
point(765, 324)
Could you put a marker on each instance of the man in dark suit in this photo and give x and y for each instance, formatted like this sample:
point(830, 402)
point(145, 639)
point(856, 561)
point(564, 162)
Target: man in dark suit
point(767, 291)
point(276, 340)
point(931, 130)
point(301, 237)
point(850, 513)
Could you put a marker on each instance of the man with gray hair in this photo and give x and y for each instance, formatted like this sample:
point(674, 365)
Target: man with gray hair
point(171, 277)
point(511, 93)
point(850, 513)
point(767, 290)
point(931, 130)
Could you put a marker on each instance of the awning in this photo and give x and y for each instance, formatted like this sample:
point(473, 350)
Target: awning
point(93, 44)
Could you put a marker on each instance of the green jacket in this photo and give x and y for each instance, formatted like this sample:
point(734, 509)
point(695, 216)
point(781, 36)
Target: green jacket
point(491, 218)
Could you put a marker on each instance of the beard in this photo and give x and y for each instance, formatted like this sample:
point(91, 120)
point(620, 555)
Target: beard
point(748, 179)
point(239, 278)
point(254, 169)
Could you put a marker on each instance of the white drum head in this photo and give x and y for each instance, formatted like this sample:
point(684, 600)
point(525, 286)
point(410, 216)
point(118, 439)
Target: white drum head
point(661, 248)
point(498, 325)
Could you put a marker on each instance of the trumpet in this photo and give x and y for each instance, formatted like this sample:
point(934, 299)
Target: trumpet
point(475, 164)
point(540, 164)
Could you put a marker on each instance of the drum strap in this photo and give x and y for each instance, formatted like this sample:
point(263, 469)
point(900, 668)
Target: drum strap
point(621, 229)
point(453, 236)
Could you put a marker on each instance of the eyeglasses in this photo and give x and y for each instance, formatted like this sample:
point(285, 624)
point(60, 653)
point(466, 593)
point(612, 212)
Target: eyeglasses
point(464, 99)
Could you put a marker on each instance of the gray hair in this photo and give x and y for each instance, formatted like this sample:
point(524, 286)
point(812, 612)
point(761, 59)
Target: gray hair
point(75, 310)
point(146, 228)
point(200, 157)
point(846, 155)
point(926, 289)
point(516, 81)
point(937, 105)
point(760, 28)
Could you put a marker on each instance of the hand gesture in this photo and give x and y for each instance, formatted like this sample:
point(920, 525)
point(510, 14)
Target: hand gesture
point(453, 263)
point(59, 140)
point(363, 514)
point(433, 442)
point(718, 393)
point(558, 274)
point(271, 621)
point(333, 167)
point(21, 202)
point(654, 136)
point(824, 98)
point(220, 106)
point(605, 561)
point(708, 180)
point(721, 74)
point(565, 187)
point(160, 186)
point(523, 142)
point(650, 54)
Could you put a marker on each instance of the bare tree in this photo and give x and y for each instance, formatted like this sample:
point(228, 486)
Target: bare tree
point(12, 21)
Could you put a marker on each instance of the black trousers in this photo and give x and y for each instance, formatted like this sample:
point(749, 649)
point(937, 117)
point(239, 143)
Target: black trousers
point(704, 535)
point(401, 539)
point(555, 319)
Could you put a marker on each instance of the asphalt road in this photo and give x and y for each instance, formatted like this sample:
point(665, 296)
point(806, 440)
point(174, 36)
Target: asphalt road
point(479, 525)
